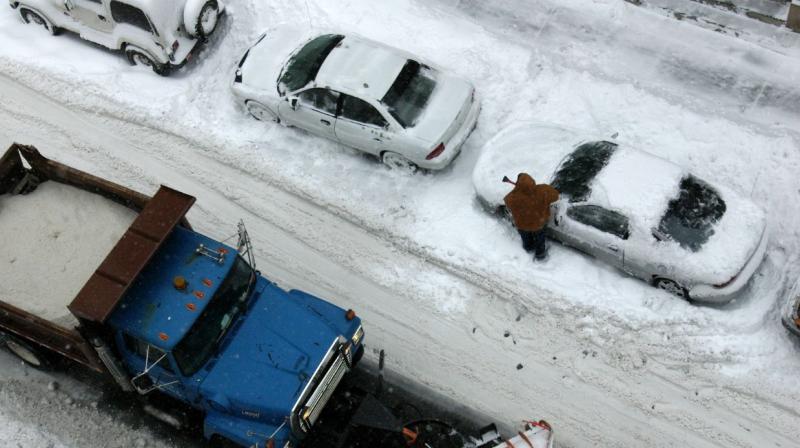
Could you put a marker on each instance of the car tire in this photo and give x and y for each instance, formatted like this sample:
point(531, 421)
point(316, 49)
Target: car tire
point(33, 17)
point(671, 286)
point(398, 162)
point(142, 59)
point(26, 352)
point(207, 20)
point(259, 111)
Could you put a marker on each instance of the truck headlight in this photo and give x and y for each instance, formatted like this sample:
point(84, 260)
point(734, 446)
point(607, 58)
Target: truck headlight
point(358, 336)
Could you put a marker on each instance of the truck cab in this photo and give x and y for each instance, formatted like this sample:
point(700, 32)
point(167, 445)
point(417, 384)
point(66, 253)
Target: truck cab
point(160, 34)
point(202, 325)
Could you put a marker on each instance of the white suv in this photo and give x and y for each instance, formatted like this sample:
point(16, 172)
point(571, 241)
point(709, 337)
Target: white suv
point(159, 34)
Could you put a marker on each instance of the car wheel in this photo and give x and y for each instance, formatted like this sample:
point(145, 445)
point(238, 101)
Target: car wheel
point(27, 353)
point(671, 287)
point(503, 212)
point(207, 20)
point(37, 19)
point(259, 111)
point(397, 162)
point(141, 59)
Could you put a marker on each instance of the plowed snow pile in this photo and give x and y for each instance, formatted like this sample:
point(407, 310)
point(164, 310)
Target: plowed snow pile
point(52, 240)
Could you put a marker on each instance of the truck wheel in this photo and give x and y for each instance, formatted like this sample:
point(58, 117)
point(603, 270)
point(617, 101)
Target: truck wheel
point(139, 58)
point(37, 19)
point(27, 353)
point(207, 20)
point(671, 287)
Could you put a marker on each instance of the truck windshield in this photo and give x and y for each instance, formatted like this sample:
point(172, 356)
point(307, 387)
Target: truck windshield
point(304, 65)
point(408, 95)
point(202, 340)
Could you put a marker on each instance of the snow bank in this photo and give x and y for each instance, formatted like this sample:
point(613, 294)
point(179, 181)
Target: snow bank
point(52, 240)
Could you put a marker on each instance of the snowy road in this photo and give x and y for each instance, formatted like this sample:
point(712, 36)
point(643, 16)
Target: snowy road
point(606, 359)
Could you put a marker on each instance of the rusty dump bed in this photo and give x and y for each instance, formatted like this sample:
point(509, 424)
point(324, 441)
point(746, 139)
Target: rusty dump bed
point(22, 168)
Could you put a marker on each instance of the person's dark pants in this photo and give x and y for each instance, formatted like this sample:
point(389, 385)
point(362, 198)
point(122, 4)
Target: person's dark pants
point(534, 242)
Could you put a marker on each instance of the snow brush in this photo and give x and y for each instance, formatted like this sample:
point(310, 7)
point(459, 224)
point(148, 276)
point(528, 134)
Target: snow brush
point(509, 181)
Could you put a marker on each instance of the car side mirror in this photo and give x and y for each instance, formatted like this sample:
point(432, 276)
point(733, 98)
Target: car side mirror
point(293, 102)
point(658, 235)
point(69, 5)
point(554, 210)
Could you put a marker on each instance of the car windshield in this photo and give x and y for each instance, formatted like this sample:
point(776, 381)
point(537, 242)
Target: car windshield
point(303, 66)
point(202, 340)
point(410, 92)
point(579, 168)
point(690, 217)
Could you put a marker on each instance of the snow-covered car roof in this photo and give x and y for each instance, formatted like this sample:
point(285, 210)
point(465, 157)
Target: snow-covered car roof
point(636, 184)
point(362, 67)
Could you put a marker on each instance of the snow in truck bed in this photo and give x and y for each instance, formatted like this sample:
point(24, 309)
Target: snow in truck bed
point(53, 239)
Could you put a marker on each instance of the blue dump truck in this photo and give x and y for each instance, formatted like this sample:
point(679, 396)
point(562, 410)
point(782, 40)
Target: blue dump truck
point(172, 312)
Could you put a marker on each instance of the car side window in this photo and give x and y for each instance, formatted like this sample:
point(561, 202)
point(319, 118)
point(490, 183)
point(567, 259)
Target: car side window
point(602, 219)
point(124, 13)
point(139, 348)
point(323, 100)
point(361, 111)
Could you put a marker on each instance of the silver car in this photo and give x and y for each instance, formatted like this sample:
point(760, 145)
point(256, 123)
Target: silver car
point(361, 93)
point(633, 210)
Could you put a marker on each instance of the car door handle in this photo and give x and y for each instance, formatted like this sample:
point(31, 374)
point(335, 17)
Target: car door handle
point(377, 139)
point(102, 18)
point(613, 247)
point(325, 122)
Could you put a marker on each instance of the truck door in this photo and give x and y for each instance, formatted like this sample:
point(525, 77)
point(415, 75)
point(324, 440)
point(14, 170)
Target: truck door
point(141, 356)
point(91, 15)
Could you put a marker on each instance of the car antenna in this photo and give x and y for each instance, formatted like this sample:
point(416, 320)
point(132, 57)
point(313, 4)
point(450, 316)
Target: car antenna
point(308, 15)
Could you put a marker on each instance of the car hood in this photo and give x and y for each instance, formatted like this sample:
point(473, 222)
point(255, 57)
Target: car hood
point(445, 112)
point(262, 63)
point(266, 363)
point(529, 147)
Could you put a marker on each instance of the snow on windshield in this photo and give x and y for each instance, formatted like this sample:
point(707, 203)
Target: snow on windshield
point(408, 96)
point(304, 65)
point(691, 216)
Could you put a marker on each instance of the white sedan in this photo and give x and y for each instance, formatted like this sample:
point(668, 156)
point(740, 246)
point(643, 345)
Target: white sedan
point(364, 94)
point(633, 210)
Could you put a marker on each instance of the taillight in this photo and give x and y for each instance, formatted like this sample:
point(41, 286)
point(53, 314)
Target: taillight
point(436, 152)
point(175, 46)
point(722, 285)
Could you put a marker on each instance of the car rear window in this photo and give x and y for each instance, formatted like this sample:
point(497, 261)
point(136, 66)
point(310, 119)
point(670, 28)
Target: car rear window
point(690, 217)
point(579, 168)
point(303, 66)
point(410, 92)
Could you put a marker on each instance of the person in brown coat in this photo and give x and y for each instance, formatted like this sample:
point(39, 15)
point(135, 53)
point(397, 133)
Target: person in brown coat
point(529, 205)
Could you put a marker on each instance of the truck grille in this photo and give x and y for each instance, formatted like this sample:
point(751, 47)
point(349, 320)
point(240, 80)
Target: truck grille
point(322, 385)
